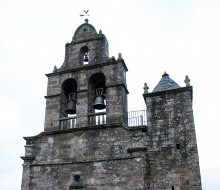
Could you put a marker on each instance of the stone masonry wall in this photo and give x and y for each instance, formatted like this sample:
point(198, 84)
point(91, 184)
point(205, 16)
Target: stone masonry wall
point(102, 157)
point(172, 156)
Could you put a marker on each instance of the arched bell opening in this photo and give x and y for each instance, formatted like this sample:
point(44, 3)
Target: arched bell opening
point(97, 89)
point(84, 55)
point(68, 97)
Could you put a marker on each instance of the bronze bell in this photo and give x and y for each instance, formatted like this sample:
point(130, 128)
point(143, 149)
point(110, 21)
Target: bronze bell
point(85, 59)
point(99, 102)
point(71, 105)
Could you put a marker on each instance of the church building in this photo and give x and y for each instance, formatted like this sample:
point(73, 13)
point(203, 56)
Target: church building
point(90, 140)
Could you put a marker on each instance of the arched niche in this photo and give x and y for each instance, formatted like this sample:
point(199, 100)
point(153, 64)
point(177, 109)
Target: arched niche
point(68, 91)
point(84, 55)
point(96, 88)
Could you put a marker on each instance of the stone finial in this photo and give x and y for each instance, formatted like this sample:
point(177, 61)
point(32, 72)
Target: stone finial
point(145, 88)
point(165, 74)
point(100, 32)
point(187, 80)
point(86, 20)
point(119, 56)
point(55, 69)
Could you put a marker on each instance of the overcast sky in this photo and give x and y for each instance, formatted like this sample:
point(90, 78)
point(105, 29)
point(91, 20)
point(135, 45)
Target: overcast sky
point(181, 37)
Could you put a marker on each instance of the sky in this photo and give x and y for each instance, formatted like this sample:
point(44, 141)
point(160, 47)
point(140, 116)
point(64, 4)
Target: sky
point(181, 37)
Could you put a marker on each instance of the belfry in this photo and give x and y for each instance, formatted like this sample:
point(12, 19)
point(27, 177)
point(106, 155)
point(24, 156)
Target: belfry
point(91, 141)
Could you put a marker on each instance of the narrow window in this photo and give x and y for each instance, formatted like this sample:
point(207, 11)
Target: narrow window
point(84, 55)
point(77, 178)
point(86, 58)
point(172, 187)
point(177, 146)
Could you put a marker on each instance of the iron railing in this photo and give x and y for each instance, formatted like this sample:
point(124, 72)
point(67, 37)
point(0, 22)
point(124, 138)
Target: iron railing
point(135, 118)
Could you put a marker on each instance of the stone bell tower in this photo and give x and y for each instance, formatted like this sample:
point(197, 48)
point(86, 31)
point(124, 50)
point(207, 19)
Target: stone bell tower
point(87, 81)
point(90, 141)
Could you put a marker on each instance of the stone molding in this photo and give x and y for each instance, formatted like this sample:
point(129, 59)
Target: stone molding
point(95, 127)
point(89, 67)
point(182, 89)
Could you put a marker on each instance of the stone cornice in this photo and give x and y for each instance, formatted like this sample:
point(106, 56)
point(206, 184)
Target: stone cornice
point(119, 84)
point(27, 158)
point(95, 127)
point(189, 88)
point(85, 90)
point(52, 96)
point(86, 161)
point(89, 67)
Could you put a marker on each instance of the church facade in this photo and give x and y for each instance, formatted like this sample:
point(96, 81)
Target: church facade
point(91, 141)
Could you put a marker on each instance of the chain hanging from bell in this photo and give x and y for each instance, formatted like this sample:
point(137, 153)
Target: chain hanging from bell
point(71, 104)
point(99, 100)
point(85, 57)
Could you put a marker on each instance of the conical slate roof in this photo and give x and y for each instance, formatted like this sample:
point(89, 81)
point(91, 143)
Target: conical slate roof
point(166, 83)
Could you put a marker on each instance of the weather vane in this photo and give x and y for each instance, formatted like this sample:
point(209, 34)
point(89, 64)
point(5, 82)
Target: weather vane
point(85, 13)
